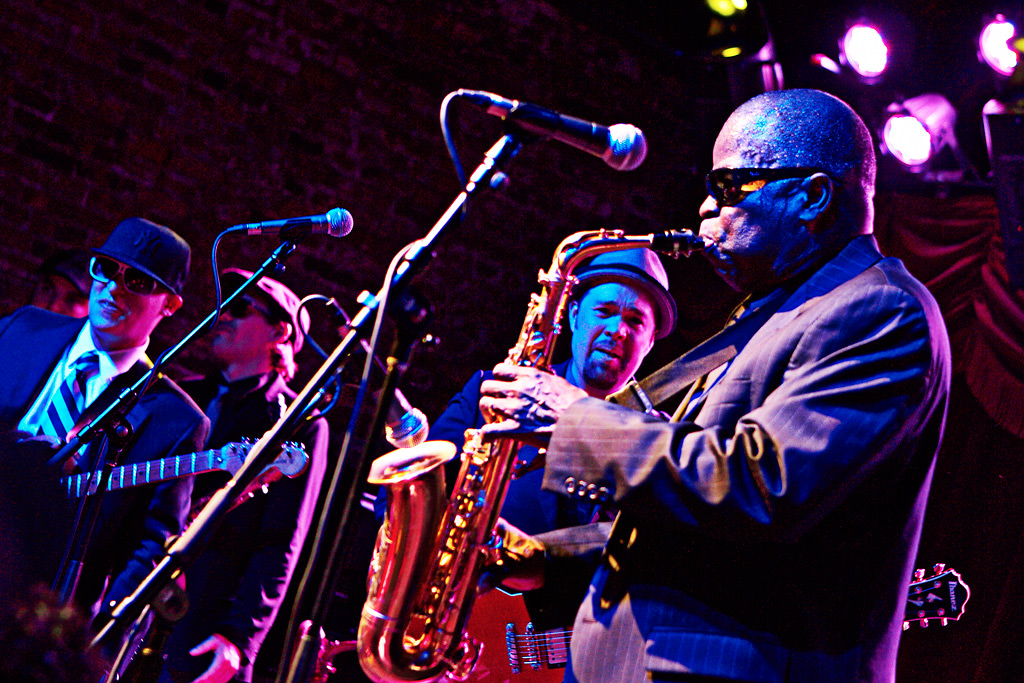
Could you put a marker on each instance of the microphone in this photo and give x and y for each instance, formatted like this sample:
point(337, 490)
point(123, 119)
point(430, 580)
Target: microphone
point(336, 223)
point(622, 146)
point(405, 426)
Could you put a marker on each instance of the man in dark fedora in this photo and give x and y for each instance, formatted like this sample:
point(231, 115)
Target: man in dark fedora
point(238, 584)
point(56, 367)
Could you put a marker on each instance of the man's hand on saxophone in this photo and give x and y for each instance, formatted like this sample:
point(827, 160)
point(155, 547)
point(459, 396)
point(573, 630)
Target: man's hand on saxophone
point(525, 403)
point(518, 561)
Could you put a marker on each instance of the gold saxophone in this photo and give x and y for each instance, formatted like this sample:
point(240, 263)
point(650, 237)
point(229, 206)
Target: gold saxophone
point(431, 551)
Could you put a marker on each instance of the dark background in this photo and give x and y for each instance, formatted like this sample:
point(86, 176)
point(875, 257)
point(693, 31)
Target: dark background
point(201, 115)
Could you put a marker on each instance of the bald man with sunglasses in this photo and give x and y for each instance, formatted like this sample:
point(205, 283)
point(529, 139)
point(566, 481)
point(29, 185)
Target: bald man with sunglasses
point(56, 367)
point(768, 531)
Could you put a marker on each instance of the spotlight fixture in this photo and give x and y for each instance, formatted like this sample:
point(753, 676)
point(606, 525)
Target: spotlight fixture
point(864, 50)
point(736, 29)
point(727, 8)
point(994, 45)
point(917, 129)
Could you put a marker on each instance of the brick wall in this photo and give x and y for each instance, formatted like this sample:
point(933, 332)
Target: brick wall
point(201, 115)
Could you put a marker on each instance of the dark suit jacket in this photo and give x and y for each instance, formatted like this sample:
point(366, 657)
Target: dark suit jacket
point(134, 523)
point(775, 535)
point(238, 583)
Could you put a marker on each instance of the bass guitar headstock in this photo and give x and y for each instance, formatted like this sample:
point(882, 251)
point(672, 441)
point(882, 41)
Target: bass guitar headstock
point(941, 595)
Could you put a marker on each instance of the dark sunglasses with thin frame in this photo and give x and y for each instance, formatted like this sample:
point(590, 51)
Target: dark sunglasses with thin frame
point(729, 186)
point(243, 307)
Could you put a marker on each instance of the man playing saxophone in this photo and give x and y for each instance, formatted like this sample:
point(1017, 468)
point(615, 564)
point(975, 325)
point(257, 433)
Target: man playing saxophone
point(619, 307)
point(767, 532)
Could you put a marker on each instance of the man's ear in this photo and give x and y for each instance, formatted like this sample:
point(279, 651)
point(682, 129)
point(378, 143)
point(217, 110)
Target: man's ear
point(284, 332)
point(171, 305)
point(819, 191)
point(574, 310)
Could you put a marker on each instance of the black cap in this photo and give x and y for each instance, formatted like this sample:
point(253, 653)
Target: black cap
point(156, 250)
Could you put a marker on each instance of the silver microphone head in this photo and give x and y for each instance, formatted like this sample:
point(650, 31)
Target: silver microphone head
point(340, 222)
point(627, 147)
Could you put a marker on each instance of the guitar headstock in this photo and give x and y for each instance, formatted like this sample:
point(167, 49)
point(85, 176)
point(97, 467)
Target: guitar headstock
point(292, 460)
point(941, 595)
point(231, 457)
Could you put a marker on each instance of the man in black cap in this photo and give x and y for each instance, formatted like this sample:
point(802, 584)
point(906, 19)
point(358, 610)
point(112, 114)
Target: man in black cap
point(55, 368)
point(237, 585)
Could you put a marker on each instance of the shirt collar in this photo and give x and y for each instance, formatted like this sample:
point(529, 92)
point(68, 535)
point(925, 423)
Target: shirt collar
point(112, 363)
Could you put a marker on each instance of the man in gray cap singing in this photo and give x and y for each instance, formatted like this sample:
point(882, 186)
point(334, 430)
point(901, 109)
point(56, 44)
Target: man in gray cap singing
point(238, 584)
point(56, 368)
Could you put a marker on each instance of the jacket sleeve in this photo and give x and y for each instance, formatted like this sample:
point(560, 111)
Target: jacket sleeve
point(166, 510)
point(855, 386)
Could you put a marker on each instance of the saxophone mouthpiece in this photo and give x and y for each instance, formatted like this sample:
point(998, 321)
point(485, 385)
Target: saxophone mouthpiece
point(676, 243)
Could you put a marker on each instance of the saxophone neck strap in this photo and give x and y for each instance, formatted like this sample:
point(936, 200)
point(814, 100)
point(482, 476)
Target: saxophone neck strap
point(673, 379)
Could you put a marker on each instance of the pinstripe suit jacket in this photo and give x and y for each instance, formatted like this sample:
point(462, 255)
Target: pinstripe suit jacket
point(134, 524)
point(775, 534)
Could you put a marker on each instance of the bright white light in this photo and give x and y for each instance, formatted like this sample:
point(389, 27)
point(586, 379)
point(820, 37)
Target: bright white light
point(727, 8)
point(907, 139)
point(865, 50)
point(994, 45)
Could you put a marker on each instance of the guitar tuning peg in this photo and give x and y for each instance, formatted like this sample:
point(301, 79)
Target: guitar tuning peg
point(918, 575)
point(924, 623)
point(945, 622)
point(939, 568)
point(906, 625)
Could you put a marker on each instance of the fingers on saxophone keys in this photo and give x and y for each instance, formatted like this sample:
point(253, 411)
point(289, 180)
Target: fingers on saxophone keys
point(506, 427)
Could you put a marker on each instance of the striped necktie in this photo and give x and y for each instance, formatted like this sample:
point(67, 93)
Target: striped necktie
point(68, 401)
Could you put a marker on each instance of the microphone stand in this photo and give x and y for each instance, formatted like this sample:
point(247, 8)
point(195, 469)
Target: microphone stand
point(412, 322)
point(304, 657)
point(111, 420)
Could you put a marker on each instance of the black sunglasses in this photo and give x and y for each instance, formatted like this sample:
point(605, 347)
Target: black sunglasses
point(105, 270)
point(243, 307)
point(729, 186)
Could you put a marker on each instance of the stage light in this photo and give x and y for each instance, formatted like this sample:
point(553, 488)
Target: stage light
point(864, 50)
point(727, 8)
point(918, 128)
point(994, 48)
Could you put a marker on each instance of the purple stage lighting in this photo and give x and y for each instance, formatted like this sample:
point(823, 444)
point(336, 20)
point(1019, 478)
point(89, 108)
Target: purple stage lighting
point(994, 48)
point(918, 128)
point(864, 49)
point(907, 140)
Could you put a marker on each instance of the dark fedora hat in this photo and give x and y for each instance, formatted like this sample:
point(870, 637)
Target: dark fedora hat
point(283, 301)
point(638, 268)
point(155, 249)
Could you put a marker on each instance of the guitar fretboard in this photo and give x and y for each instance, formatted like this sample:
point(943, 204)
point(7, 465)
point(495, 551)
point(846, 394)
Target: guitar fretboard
point(149, 472)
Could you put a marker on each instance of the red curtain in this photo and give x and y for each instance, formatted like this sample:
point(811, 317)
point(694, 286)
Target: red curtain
point(954, 246)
